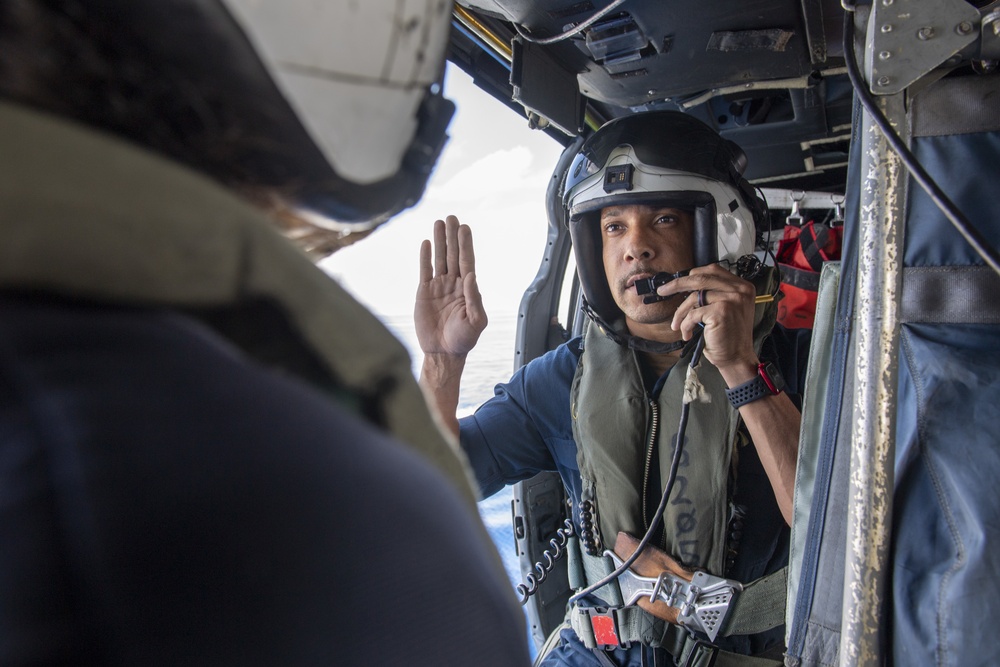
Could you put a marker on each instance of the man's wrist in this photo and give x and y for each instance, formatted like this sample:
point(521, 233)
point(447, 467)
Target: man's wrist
point(441, 368)
point(739, 372)
point(767, 382)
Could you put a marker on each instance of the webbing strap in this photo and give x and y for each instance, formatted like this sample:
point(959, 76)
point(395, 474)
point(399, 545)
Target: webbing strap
point(759, 606)
point(633, 624)
point(950, 295)
point(813, 239)
point(801, 278)
point(642, 626)
point(686, 650)
point(958, 105)
point(700, 654)
point(596, 568)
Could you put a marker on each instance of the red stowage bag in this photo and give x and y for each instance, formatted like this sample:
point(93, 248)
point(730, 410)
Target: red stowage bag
point(801, 253)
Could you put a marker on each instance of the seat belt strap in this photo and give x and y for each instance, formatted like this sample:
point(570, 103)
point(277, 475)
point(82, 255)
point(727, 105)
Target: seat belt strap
point(698, 653)
point(602, 628)
point(596, 568)
point(686, 649)
point(801, 278)
point(759, 606)
point(950, 295)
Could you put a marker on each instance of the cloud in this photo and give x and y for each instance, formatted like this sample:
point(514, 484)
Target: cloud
point(492, 174)
point(498, 174)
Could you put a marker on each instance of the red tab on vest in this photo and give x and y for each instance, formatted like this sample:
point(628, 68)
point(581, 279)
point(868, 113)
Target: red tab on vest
point(604, 630)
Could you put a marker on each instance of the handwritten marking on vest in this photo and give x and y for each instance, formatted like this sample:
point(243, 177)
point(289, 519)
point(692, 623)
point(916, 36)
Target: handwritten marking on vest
point(684, 522)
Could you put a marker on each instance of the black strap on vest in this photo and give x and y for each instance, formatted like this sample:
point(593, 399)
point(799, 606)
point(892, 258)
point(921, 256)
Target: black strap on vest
point(801, 278)
point(950, 295)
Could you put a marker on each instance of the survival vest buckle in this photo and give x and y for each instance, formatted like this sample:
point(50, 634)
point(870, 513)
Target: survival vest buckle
point(604, 623)
point(702, 602)
point(701, 653)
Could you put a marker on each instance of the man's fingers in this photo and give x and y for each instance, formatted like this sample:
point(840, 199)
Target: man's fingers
point(453, 251)
point(440, 248)
point(426, 270)
point(451, 224)
point(473, 302)
point(689, 303)
point(466, 252)
point(651, 562)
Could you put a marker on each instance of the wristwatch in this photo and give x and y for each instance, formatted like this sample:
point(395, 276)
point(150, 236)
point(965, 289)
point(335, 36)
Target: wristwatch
point(768, 382)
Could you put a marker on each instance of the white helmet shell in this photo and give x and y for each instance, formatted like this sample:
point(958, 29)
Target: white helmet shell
point(354, 72)
point(734, 225)
point(660, 158)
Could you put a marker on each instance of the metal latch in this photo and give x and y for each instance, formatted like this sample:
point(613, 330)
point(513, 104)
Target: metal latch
point(702, 603)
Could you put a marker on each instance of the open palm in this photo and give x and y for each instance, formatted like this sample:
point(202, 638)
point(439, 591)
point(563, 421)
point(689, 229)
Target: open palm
point(448, 315)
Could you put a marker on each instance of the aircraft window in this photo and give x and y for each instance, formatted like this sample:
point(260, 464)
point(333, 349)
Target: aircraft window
point(569, 299)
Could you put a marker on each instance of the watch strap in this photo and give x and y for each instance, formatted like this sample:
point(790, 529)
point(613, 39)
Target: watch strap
point(748, 392)
point(754, 389)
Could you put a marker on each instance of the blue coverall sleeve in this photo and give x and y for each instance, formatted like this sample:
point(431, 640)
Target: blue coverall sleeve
point(525, 428)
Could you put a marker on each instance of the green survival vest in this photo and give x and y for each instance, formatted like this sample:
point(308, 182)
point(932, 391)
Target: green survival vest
point(615, 423)
point(618, 428)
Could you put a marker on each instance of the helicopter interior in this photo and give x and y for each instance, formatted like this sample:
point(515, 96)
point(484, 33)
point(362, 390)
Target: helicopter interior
point(786, 80)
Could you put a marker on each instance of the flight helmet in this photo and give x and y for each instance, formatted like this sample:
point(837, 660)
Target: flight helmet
point(363, 81)
point(661, 158)
point(328, 110)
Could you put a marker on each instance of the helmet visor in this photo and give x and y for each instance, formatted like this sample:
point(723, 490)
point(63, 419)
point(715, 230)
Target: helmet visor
point(675, 142)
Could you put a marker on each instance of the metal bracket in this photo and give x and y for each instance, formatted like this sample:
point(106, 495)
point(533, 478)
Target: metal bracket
point(909, 38)
point(990, 48)
point(702, 602)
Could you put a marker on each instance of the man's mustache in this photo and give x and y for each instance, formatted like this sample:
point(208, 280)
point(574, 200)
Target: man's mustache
point(625, 283)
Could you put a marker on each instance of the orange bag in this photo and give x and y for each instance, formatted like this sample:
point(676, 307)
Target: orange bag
point(801, 253)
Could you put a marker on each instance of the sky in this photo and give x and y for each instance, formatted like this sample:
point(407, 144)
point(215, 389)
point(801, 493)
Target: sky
point(492, 175)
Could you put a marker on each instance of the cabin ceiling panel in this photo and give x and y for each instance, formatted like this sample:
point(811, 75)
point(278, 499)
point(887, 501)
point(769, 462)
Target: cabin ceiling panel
point(649, 50)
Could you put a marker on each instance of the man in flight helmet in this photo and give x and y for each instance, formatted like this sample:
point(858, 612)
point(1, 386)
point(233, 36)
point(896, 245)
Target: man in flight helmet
point(210, 453)
point(682, 347)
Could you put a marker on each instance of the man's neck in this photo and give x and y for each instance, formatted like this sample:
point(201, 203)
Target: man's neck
point(660, 332)
point(658, 364)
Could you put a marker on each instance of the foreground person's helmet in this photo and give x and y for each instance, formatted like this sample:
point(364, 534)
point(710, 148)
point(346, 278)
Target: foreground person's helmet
point(328, 111)
point(663, 158)
point(362, 81)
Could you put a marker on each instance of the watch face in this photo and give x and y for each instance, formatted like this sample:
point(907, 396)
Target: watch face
point(772, 377)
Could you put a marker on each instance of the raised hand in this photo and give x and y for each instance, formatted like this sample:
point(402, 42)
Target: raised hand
point(448, 314)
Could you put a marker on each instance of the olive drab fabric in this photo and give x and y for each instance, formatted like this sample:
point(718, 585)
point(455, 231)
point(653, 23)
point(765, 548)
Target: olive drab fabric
point(88, 216)
point(613, 420)
point(612, 424)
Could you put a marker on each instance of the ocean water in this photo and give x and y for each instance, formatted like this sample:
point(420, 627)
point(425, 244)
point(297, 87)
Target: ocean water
point(491, 362)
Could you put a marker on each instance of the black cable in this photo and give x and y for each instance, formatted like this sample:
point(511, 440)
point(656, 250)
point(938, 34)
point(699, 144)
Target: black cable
point(909, 160)
point(661, 508)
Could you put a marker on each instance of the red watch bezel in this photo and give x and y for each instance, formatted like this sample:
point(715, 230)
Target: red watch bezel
point(765, 376)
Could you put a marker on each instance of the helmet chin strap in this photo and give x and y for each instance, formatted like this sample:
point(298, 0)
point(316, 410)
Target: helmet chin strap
point(630, 341)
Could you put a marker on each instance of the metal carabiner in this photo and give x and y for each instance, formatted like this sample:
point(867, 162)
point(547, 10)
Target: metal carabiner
point(795, 216)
